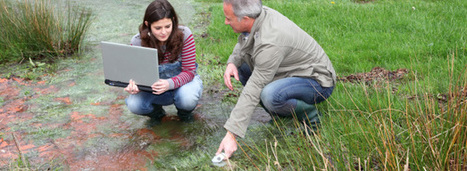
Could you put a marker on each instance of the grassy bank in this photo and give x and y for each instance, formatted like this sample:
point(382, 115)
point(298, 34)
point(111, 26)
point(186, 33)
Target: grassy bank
point(415, 122)
point(37, 32)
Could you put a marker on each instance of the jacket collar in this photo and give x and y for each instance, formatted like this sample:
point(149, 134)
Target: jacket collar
point(258, 21)
point(249, 38)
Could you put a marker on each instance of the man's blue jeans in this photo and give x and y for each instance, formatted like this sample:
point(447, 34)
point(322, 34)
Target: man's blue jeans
point(185, 97)
point(280, 97)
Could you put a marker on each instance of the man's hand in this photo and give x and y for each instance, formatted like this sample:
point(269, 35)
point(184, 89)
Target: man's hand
point(160, 86)
point(228, 144)
point(230, 71)
point(132, 88)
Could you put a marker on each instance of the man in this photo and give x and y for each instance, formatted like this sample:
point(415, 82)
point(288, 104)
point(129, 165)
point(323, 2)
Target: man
point(280, 65)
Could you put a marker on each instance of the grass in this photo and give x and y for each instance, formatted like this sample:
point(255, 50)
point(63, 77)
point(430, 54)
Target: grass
point(380, 130)
point(36, 32)
point(416, 123)
point(388, 34)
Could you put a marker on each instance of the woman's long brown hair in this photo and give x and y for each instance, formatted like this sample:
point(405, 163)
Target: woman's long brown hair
point(157, 10)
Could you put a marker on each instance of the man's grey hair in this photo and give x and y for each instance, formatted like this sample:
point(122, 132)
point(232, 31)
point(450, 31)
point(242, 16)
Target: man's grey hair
point(249, 8)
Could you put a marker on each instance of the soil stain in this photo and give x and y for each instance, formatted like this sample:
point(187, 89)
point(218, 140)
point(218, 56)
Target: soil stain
point(377, 74)
point(80, 139)
point(72, 149)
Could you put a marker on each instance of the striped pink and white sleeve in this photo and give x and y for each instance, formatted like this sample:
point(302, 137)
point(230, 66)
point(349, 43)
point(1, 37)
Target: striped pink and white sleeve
point(188, 56)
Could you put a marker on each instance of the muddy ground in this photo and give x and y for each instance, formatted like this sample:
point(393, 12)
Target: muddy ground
point(71, 120)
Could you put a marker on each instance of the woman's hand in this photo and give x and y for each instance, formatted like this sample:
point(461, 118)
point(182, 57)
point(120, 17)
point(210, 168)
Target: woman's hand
point(228, 145)
point(132, 88)
point(160, 86)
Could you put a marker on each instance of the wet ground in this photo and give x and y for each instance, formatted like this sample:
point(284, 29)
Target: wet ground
point(69, 126)
point(71, 120)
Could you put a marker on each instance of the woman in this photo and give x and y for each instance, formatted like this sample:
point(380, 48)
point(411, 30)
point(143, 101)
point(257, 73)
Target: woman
point(178, 84)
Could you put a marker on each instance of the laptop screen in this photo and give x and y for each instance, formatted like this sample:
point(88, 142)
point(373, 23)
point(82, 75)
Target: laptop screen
point(124, 62)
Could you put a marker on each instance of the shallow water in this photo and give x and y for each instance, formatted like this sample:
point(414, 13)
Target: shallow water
point(73, 121)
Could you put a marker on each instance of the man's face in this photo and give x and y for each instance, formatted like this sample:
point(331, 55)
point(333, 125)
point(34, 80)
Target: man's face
point(232, 20)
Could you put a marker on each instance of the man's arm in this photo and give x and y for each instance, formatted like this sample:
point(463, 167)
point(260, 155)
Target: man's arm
point(264, 71)
point(267, 62)
point(235, 57)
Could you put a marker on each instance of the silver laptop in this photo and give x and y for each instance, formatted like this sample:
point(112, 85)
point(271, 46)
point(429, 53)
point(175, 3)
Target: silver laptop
point(124, 62)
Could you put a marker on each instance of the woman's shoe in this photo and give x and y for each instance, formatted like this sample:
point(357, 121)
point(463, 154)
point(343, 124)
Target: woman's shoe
point(185, 115)
point(155, 116)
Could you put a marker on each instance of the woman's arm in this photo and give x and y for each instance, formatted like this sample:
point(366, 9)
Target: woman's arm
point(188, 56)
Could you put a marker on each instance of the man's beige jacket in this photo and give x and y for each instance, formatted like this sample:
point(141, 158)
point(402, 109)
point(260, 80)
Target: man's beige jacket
point(275, 48)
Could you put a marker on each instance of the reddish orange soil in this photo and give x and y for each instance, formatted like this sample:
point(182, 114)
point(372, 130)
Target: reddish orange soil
point(66, 152)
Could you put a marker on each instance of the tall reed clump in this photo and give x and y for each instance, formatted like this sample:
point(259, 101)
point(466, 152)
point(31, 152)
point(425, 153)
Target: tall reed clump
point(373, 127)
point(38, 29)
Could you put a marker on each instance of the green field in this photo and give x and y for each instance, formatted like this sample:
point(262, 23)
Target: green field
point(417, 121)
